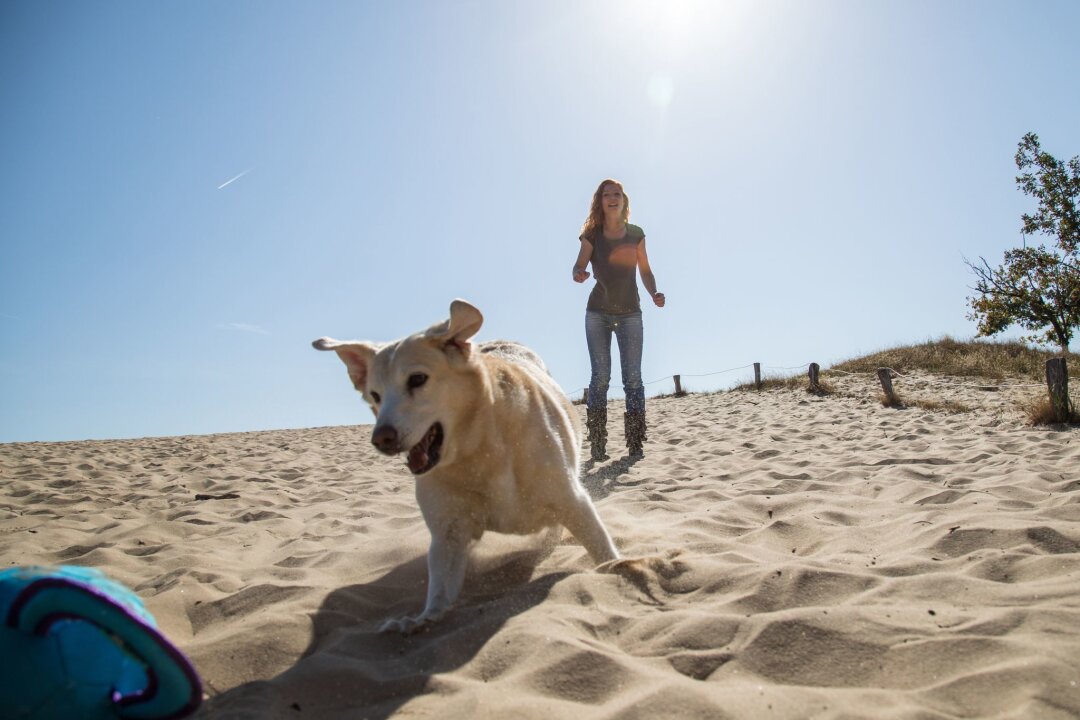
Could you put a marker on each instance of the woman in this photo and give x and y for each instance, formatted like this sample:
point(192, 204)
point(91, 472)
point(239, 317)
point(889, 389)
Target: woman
point(617, 252)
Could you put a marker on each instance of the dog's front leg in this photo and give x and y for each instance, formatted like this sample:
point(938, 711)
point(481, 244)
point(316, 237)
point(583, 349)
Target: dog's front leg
point(447, 559)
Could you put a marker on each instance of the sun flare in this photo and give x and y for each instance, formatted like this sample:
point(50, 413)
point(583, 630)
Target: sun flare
point(679, 22)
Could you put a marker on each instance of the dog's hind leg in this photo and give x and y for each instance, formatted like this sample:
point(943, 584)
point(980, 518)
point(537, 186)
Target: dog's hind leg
point(549, 537)
point(583, 522)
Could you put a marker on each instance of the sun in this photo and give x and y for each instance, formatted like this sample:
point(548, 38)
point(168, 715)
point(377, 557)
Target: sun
point(667, 19)
point(681, 22)
point(672, 30)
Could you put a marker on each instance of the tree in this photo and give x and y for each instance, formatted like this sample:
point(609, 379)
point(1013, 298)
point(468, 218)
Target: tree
point(1037, 288)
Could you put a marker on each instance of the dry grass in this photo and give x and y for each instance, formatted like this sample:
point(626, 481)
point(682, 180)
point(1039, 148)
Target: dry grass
point(767, 383)
point(952, 407)
point(976, 358)
point(947, 406)
point(891, 401)
point(793, 382)
point(1042, 412)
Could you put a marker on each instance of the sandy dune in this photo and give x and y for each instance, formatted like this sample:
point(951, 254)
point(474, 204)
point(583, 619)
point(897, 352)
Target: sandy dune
point(804, 557)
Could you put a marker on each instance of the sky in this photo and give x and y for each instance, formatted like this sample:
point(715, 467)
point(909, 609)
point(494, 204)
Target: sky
point(192, 191)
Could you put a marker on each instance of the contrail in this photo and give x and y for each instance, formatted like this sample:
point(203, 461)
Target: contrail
point(232, 180)
point(244, 327)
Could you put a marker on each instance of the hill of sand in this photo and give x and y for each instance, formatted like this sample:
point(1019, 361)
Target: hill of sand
point(808, 557)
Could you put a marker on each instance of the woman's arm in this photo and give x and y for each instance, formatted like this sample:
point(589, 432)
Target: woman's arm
point(583, 257)
point(647, 277)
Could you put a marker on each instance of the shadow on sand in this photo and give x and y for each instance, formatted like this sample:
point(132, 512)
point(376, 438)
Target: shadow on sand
point(601, 480)
point(349, 670)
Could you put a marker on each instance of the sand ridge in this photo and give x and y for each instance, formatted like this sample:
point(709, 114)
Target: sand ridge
point(802, 556)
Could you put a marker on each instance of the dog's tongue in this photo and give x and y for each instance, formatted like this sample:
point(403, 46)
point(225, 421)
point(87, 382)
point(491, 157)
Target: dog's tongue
point(421, 455)
point(418, 455)
point(418, 458)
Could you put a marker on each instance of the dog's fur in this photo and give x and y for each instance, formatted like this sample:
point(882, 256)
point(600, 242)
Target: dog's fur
point(493, 442)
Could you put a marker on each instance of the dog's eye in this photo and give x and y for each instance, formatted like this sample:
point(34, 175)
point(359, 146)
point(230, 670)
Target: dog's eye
point(375, 396)
point(417, 380)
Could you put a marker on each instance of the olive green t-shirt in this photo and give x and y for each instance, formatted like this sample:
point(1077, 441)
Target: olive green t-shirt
point(614, 265)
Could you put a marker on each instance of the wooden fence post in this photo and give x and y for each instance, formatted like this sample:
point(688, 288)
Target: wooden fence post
point(678, 385)
point(815, 369)
point(757, 375)
point(885, 376)
point(1057, 382)
point(585, 397)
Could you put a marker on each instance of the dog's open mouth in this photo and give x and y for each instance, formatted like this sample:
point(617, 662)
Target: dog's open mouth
point(424, 455)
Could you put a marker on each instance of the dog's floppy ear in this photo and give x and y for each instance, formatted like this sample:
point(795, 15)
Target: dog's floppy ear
point(465, 321)
point(357, 357)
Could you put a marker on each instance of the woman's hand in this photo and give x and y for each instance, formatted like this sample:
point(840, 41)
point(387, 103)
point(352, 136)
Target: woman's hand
point(580, 275)
point(659, 299)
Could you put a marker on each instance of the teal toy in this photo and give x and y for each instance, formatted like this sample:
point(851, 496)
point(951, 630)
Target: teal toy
point(75, 644)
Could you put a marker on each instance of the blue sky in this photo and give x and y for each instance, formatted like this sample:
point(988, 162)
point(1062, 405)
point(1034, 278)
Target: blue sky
point(809, 175)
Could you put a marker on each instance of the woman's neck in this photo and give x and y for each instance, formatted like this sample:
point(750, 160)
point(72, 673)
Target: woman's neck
point(613, 225)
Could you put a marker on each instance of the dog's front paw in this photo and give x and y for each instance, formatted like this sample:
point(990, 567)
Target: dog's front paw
point(405, 625)
point(409, 625)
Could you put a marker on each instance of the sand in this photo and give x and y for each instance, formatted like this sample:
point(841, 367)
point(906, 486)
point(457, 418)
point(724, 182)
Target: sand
point(805, 557)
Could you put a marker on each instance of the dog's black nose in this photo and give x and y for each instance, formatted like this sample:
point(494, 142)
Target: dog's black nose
point(385, 439)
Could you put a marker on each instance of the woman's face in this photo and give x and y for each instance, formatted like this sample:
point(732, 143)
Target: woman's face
point(612, 200)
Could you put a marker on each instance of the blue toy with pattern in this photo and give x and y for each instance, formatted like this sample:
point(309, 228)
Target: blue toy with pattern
point(75, 644)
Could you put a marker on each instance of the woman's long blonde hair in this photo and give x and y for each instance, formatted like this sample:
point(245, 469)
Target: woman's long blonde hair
point(594, 223)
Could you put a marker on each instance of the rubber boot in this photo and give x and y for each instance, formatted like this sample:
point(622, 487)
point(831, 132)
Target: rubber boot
point(596, 423)
point(634, 424)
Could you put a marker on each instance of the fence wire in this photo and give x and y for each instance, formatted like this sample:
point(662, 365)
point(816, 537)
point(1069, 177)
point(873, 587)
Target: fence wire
point(929, 381)
point(950, 383)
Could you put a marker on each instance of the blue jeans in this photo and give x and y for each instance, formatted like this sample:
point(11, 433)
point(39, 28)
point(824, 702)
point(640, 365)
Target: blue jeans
point(630, 334)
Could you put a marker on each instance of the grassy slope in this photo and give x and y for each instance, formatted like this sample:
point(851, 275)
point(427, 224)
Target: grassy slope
point(994, 360)
point(973, 359)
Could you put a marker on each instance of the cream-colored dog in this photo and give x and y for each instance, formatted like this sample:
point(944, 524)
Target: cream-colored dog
point(492, 440)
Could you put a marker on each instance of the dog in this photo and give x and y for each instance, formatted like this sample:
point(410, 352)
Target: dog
point(491, 439)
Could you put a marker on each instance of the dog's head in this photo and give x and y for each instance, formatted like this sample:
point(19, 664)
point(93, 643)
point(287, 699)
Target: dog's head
point(421, 388)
